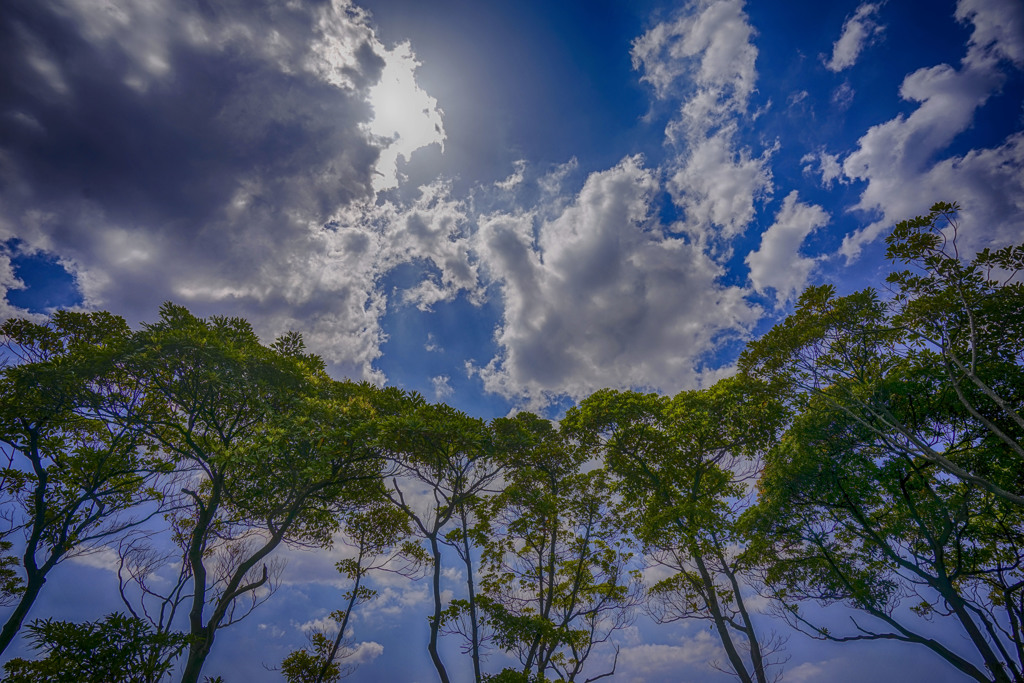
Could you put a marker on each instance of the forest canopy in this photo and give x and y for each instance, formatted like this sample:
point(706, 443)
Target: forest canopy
point(868, 453)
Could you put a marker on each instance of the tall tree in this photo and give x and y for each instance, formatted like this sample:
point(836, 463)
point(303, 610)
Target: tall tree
point(445, 464)
point(683, 469)
point(265, 449)
point(377, 537)
point(955, 326)
point(557, 576)
point(843, 517)
point(68, 424)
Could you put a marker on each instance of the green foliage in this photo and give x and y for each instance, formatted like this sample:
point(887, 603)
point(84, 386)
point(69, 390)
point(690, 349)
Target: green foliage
point(948, 344)
point(901, 475)
point(881, 432)
point(843, 517)
point(117, 649)
point(11, 584)
point(265, 449)
point(681, 468)
point(556, 576)
point(76, 462)
point(313, 665)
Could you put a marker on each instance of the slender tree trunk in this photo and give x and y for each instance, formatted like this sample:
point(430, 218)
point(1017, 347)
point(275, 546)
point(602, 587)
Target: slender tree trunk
point(546, 595)
point(28, 597)
point(716, 612)
point(435, 622)
point(34, 574)
point(956, 603)
point(756, 656)
point(474, 630)
point(344, 624)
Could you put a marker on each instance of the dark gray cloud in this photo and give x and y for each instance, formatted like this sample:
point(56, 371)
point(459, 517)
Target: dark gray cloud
point(194, 152)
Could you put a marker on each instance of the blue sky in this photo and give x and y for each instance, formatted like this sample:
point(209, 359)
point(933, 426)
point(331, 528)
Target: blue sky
point(502, 205)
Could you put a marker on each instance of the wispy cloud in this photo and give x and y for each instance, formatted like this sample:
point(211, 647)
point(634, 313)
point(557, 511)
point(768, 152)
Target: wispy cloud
point(859, 31)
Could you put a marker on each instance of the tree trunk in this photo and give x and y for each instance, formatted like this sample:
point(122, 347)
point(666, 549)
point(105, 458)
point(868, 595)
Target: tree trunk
point(198, 650)
point(716, 612)
point(474, 630)
point(435, 622)
point(14, 622)
point(344, 624)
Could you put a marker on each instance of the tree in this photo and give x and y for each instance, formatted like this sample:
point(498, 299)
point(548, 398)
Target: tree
point(954, 328)
point(117, 649)
point(265, 449)
point(843, 517)
point(68, 428)
point(557, 579)
point(377, 535)
point(320, 663)
point(682, 468)
point(445, 463)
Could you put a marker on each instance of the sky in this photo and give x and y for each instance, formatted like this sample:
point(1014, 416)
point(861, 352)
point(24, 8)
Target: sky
point(501, 205)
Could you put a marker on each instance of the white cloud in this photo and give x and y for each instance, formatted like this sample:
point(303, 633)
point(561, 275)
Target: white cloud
point(365, 652)
point(322, 625)
point(778, 264)
point(596, 291)
point(662, 660)
point(357, 653)
point(104, 557)
point(272, 629)
point(8, 281)
point(998, 30)
point(859, 30)
point(516, 178)
point(713, 180)
point(434, 229)
point(717, 184)
point(710, 44)
point(842, 96)
point(603, 296)
point(828, 166)
point(896, 158)
point(808, 672)
point(442, 387)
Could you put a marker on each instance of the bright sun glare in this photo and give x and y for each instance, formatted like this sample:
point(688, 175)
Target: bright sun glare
point(402, 112)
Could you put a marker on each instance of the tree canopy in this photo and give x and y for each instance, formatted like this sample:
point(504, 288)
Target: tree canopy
point(868, 454)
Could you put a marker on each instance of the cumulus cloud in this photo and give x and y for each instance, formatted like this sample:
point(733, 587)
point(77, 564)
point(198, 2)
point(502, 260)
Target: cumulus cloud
point(596, 291)
point(365, 652)
point(214, 157)
point(442, 387)
point(320, 625)
point(714, 180)
point(778, 264)
point(661, 660)
point(828, 167)
point(710, 44)
point(602, 295)
point(717, 184)
point(998, 31)
point(356, 653)
point(859, 30)
point(8, 281)
point(896, 159)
